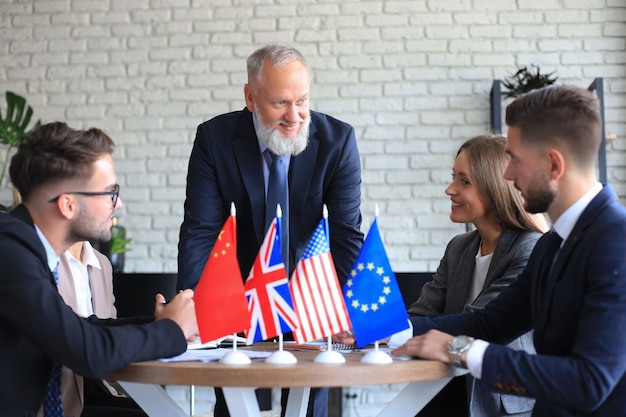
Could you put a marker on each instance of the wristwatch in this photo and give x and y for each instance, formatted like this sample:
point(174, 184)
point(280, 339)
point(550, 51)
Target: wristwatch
point(457, 346)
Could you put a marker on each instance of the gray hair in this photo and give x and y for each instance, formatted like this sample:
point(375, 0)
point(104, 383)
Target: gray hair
point(279, 55)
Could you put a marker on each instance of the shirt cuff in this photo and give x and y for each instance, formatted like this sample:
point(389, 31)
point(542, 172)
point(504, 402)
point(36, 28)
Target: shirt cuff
point(475, 356)
point(400, 338)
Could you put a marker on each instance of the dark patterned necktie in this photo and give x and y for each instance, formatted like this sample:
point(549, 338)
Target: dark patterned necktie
point(52, 405)
point(552, 246)
point(552, 250)
point(278, 193)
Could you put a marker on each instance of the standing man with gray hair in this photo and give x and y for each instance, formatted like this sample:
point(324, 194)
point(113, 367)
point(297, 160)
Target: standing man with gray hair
point(231, 161)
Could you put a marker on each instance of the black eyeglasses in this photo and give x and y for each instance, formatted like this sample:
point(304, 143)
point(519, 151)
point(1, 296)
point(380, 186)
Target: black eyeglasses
point(113, 194)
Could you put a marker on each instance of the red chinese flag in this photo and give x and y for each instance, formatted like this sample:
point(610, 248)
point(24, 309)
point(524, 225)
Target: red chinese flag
point(220, 297)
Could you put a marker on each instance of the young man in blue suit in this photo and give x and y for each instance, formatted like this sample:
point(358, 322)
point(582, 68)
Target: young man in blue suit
point(69, 191)
point(572, 292)
point(227, 164)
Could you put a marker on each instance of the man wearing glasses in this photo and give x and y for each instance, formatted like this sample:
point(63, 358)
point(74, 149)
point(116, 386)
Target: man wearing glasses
point(69, 191)
point(114, 194)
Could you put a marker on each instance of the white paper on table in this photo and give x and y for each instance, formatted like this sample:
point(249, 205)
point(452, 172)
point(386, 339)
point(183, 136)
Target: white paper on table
point(226, 341)
point(211, 355)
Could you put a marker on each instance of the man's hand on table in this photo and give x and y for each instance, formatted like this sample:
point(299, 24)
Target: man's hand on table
point(346, 338)
point(431, 345)
point(181, 310)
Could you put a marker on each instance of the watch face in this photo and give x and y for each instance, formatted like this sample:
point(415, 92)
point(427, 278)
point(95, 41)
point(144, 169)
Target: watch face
point(459, 341)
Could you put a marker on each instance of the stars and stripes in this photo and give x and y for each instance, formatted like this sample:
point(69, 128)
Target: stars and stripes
point(315, 291)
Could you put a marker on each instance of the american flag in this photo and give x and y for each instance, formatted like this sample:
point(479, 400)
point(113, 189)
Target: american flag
point(267, 289)
point(317, 297)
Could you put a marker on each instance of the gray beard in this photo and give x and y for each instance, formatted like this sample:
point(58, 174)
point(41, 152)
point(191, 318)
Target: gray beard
point(279, 144)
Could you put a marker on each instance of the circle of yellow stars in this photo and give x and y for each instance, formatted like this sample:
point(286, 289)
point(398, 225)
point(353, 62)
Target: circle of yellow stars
point(382, 298)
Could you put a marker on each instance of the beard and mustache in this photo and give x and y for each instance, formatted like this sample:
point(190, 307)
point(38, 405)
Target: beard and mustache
point(276, 142)
point(539, 196)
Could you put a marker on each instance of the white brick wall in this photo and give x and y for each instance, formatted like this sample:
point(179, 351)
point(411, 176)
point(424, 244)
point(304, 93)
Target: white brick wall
point(412, 76)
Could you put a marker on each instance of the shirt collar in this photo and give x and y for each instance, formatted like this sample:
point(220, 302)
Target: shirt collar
point(51, 256)
point(89, 256)
point(566, 222)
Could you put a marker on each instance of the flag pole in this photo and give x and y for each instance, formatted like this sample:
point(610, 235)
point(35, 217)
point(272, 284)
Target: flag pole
point(235, 357)
point(329, 356)
point(376, 356)
point(281, 356)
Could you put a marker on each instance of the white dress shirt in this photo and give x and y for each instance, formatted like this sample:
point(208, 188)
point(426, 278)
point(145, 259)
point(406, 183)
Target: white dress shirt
point(80, 275)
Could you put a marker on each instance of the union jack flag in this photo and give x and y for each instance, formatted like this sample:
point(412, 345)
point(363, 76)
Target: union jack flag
point(317, 297)
point(267, 289)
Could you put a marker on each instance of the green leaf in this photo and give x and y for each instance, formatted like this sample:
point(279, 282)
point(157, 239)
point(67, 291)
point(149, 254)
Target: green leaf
point(14, 126)
point(118, 240)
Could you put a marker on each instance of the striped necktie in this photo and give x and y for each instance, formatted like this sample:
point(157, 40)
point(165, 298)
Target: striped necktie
point(52, 405)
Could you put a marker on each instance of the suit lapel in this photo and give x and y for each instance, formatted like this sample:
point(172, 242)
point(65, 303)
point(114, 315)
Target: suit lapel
point(465, 275)
point(301, 170)
point(96, 283)
point(564, 254)
point(586, 218)
point(249, 163)
point(504, 246)
point(66, 286)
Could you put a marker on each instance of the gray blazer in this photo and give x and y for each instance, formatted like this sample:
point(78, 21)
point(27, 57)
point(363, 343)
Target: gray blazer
point(448, 291)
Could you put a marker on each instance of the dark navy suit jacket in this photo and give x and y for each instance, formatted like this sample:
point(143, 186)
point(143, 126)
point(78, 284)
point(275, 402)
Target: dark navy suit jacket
point(36, 326)
point(579, 319)
point(226, 166)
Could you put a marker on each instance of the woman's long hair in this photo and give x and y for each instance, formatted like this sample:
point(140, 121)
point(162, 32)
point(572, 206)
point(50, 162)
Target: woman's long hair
point(487, 159)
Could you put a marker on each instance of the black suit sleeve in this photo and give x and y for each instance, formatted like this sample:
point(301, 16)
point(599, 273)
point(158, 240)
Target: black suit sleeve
point(37, 326)
point(204, 212)
point(343, 198)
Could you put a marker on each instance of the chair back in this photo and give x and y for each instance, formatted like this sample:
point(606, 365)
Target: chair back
point(135, 293)
point(411, 284)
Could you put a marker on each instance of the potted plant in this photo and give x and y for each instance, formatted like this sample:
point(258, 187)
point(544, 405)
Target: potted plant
point(525, 80)
point(116, 247)
point(13, 128)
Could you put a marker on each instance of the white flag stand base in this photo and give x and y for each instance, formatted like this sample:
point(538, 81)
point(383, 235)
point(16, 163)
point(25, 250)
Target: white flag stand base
point(235, 358)
point(377, 357)
point(281, 357)
point(329, 356)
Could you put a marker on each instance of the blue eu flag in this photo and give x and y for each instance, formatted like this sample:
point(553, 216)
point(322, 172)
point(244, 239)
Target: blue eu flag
point(372, 295)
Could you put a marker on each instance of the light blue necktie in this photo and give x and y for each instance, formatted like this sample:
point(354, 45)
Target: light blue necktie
point(52, 405)
point(278, 193)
